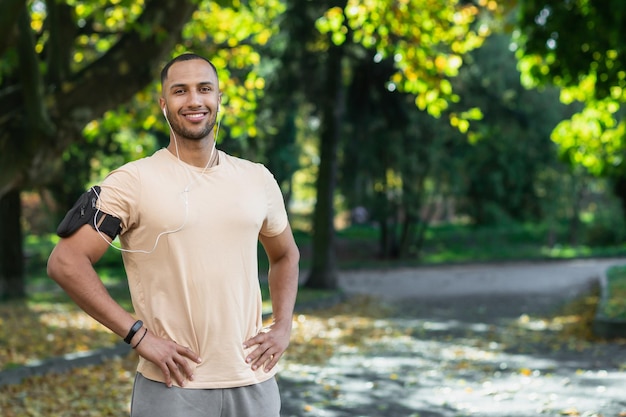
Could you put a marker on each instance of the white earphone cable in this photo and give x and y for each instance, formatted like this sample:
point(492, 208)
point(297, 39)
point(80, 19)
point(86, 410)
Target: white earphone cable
point(184, 194)
point(156, 242)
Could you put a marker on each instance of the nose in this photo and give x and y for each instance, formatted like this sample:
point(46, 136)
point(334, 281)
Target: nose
point(194, 99)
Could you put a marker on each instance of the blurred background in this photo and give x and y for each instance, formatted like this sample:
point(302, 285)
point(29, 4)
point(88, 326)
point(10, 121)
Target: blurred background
point(402, 132)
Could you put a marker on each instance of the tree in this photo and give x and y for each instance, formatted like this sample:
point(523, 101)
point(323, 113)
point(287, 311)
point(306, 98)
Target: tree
point(323, 272)
point(65, 65)
point(12, 285)
point(578, 43)
point(580, 46)
point(49, 107)
point(426, 40)
point(288, 65)
point(390, 152)
point(46, 97)
point(510, 146)
point(304, 81)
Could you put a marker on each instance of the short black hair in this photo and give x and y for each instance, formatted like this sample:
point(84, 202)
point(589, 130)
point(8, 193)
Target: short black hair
point(187, 56)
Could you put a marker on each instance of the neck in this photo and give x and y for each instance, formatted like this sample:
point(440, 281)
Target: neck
point(201, 154)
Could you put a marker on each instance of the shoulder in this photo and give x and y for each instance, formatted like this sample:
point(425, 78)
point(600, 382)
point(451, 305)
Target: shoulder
point(243, 164)
point(136, 167)
point(157, 159)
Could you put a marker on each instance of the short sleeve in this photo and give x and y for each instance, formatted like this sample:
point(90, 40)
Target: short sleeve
point(120, 194)
point(276, 219)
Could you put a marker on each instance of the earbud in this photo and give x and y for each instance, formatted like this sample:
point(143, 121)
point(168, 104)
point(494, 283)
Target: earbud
point(164, 113)
point(219, 106)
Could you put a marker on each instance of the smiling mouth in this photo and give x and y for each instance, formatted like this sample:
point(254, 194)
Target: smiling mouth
point(195, 116)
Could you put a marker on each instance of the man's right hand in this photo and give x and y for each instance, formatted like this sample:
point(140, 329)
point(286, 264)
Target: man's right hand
point(172, 358)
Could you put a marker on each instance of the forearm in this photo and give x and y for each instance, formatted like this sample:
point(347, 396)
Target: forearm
point(80, 281)
point(74, 272)
point(283, 285)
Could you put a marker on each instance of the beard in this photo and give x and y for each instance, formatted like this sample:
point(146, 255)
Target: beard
point(201, 132)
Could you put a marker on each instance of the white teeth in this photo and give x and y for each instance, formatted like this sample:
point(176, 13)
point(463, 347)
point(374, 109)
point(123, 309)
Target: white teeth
point(195, 116)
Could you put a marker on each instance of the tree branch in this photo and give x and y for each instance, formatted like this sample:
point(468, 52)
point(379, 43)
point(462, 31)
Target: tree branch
point(128, 66)
point(125, 69)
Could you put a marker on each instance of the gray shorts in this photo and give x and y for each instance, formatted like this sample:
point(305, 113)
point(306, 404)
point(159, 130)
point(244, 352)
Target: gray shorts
point(154, 399)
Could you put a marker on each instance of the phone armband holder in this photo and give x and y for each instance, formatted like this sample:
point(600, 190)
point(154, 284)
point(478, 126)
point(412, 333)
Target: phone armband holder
point(85, 211)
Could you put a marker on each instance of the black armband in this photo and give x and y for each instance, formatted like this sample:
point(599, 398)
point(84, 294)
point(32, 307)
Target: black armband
point(85, 211)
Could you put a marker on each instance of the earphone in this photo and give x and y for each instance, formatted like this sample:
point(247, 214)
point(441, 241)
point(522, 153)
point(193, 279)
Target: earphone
point(184, 194)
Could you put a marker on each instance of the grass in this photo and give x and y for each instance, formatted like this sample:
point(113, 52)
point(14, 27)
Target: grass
point(613, 306)
point(357, 247)
point(514, 241)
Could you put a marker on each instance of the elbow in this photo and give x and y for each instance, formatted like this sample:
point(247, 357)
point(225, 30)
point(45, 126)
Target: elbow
point(296, 257)
point(60, 265)
point(53, 266)
point(288, 261)
point(294, 260)
point(292, 257)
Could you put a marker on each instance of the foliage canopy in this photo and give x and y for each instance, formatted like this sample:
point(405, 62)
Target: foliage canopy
point(580, 45)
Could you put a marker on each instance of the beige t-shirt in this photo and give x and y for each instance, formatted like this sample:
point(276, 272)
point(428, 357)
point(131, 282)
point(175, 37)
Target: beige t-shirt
point(192, 269)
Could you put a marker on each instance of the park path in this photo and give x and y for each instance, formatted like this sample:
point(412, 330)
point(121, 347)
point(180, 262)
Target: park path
point(510, 278)
point(466, 344)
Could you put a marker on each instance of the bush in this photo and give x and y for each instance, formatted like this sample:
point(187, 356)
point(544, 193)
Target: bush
point(605, 232)
point(614, 303)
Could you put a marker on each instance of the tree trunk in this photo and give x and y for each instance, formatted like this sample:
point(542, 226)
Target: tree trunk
point(619, 189)
point(575, 222)
point(324, 272)
point(12, 279)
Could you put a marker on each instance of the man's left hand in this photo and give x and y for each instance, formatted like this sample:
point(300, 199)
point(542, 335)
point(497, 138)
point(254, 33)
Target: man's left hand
point(270, 343)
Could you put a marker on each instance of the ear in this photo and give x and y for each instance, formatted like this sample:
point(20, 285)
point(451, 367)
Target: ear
point(163, 106)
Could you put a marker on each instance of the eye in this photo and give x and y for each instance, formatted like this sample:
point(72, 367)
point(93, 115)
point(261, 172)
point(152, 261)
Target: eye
point(205, 89)
point(179, 91)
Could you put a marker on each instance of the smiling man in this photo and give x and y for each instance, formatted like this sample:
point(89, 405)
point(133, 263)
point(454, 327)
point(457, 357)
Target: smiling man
point(189, 218)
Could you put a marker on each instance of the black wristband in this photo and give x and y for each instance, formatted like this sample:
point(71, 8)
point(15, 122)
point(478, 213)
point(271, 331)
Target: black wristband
point(138, 325)
point(141, 338)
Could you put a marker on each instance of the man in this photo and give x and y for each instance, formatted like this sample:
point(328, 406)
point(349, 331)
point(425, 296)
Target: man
point(189, 218)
